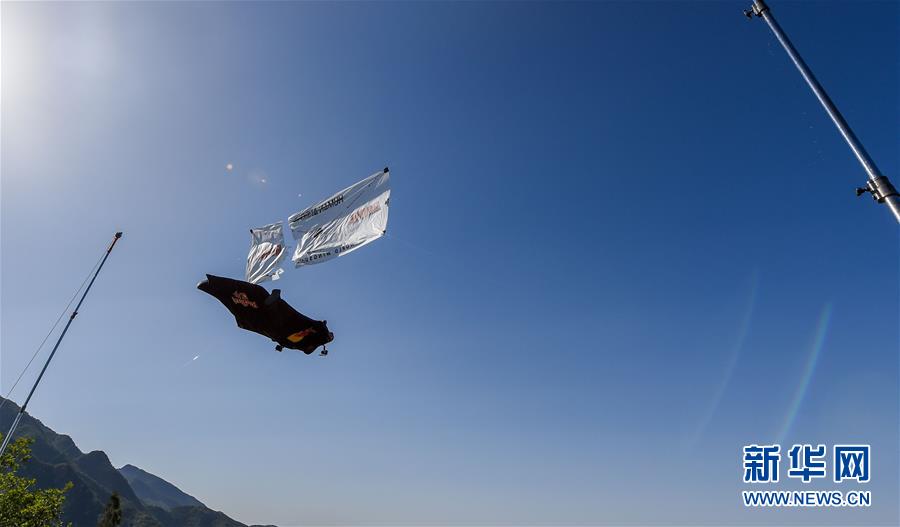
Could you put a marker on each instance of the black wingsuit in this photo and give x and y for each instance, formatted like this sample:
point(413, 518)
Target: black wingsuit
point(256, 310)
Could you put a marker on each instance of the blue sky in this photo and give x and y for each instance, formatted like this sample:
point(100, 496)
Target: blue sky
point(623, 244)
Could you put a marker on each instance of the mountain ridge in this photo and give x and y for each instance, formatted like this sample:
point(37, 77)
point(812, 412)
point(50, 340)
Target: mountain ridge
point(153, 490)
point(56, 460)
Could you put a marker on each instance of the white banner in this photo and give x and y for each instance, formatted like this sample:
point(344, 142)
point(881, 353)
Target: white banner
point(342, 223)
point(266, 253)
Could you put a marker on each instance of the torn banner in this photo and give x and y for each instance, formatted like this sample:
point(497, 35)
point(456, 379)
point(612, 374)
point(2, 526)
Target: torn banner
point(342, 223)
point(266, 253)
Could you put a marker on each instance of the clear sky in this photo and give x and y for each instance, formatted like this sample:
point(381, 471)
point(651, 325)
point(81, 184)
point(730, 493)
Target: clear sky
point(623, 244)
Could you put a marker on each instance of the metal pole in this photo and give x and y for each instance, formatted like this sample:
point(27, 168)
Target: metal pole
point(15, 423)
point(878, 185)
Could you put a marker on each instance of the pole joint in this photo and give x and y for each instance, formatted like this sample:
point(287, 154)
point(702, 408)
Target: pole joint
point(757, 9)
point(880, 188)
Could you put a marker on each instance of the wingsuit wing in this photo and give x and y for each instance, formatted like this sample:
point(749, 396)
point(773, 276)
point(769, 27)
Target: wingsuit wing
point(256, 310)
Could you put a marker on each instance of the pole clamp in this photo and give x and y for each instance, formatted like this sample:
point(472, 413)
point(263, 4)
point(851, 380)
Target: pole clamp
point(880, 188)
point(115, 239)
point(757, 9)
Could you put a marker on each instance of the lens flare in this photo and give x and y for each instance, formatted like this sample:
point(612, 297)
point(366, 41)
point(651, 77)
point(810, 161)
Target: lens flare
point(808, 371)
point(743, 331)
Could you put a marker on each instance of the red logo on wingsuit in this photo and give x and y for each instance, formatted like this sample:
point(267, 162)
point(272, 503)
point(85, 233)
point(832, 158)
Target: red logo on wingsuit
point(241, 298)
point(298, 336)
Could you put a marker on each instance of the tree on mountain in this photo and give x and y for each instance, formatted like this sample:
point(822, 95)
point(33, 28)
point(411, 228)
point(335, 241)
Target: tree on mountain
point(21, 504)
point(112, 515)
